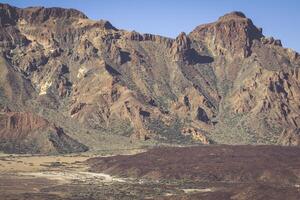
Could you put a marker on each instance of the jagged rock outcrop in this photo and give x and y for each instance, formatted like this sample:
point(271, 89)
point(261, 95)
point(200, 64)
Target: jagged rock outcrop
point(224, 82)
point(23, 132)
point(232, 35)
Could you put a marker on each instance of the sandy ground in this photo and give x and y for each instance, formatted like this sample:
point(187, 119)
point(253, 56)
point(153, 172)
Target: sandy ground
point(17, 163)
point(173, 173)
point(49, 177)
point(13, 163)
point(39, 177)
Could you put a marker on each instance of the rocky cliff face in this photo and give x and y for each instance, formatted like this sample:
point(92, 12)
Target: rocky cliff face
point(23, 132)
point(225, 82)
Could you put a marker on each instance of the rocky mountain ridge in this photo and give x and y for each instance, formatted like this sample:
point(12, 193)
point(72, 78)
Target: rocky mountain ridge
point(224, 82)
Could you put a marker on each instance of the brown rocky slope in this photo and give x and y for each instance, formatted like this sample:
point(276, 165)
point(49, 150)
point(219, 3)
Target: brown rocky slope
point(225, 82)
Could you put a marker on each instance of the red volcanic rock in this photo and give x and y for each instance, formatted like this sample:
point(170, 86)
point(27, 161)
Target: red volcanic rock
point(8, 15)
point(135, 36)
point(23, 132)
point(233, 15)
point(181, 43)
point(231, 35)
point(224, 80)
point(180, 46)
point(19, 125)
point(41, 14)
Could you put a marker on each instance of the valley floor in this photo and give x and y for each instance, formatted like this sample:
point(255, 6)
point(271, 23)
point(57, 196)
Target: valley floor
point(202, 172)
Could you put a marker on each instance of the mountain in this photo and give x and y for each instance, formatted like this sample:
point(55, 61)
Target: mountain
point(90, 85)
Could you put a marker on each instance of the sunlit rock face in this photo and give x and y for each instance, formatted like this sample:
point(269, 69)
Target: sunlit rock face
point(224, 82)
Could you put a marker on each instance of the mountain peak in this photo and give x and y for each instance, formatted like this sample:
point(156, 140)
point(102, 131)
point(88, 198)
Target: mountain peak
point(233, 15)
point(10, 14)
point(231, 35)
point(41, 14)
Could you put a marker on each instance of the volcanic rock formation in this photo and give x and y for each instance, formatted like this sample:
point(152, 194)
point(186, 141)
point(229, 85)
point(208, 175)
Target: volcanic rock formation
point(225, 81)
